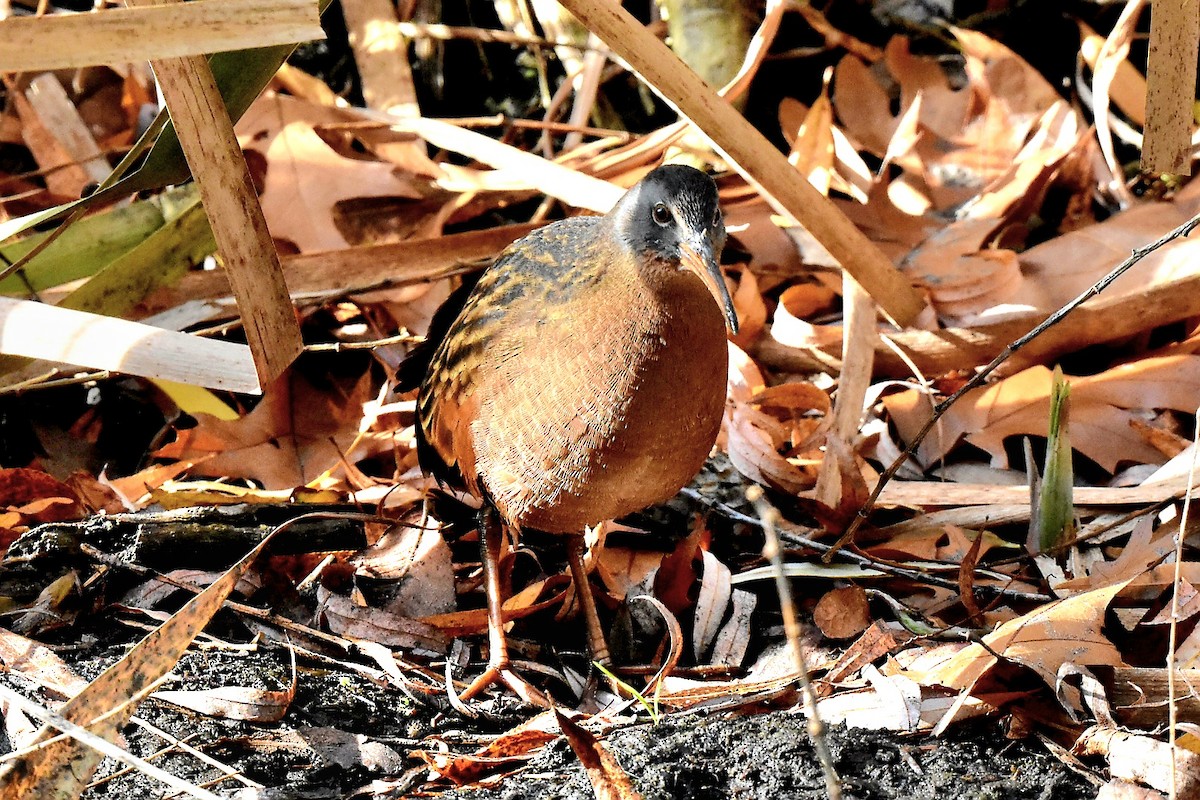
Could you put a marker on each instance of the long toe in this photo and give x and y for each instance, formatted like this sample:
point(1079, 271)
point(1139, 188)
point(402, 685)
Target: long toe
point(496, 674)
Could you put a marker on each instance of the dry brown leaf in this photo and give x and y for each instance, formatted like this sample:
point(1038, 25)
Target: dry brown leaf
point(1068, 631)
point(971, 135)
point(788, 326)
point(1061, 268)
point(347, 750)
point(808, 299)
point(1136, 757)
point(149, 594)
point(609, 781)
point(1145, 548)
point(715, 590)
point(841, 489)
point(623, 569)
point(734, 638)
point(753, 227)
point(35, 661)
point(417, 562)
point(94, 494)
point(677, 573)
point(290, 438)
point(842, 612)
point(942, 542)
point(875, 642)
point(306, 178)
point(850, 174)
point(511, 748)
point(521, 604)
point(134, 490)
point(964, 274)
point(751, 310)
point(246, 703)
point(766, 430)
point(812, 146)
point(863, 105)
point(904, 139)
point(1100, 411)
point(50, 609)
point(37, 497)
point(674, 650)
point(345, 618)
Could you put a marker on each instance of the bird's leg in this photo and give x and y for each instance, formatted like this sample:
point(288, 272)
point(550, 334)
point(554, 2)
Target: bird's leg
point(576, 550)
point(491, 538)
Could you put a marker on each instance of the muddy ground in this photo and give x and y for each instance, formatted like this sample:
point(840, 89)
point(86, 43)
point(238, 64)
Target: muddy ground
point(345, 736)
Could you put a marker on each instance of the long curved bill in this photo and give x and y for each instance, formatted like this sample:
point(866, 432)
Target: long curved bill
point(702, 261)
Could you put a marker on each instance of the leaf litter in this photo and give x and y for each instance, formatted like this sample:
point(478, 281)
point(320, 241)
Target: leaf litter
point(986, 186)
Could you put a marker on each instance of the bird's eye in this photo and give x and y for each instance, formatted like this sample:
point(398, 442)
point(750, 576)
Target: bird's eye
point(661, 214)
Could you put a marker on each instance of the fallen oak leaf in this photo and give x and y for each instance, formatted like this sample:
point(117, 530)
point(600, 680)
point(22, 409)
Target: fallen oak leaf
point(842, 612)
point(1019, 405)
point(1061, 632)
point(38, 496)
point(352, 621)
point(521, 604)
point(764, 431)
point(292, 436)
point(305, 177)
point(715, 591)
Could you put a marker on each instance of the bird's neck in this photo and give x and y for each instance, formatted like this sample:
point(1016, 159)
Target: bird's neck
point(680, 292)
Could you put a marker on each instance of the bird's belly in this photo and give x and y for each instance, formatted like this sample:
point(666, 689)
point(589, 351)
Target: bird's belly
point(630, 435)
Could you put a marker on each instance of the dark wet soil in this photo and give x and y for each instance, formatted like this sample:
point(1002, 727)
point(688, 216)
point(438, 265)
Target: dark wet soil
point(343, 732)
point(346, 735)
point(771, 756)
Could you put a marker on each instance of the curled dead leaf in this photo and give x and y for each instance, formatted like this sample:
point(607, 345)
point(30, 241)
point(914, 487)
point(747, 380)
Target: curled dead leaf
point(774, 436)
point(377, 625)
point(609, 781)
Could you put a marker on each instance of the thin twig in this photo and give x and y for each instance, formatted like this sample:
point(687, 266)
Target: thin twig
point(1173, 636)
point(862, 559)
point(977, 380)
point(773, 552)
point(47, 380)
point(403, 337)
point(833, 37)
point(446, 33)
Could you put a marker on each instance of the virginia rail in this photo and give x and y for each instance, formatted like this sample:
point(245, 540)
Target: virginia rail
point(583, 378)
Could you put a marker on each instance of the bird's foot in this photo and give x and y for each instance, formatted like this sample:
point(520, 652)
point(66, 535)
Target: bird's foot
point(503, 673)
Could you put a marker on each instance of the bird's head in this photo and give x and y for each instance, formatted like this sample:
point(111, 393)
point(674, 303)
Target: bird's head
point(671, 219)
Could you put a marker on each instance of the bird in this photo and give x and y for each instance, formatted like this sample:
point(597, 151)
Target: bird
point(580, 379)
